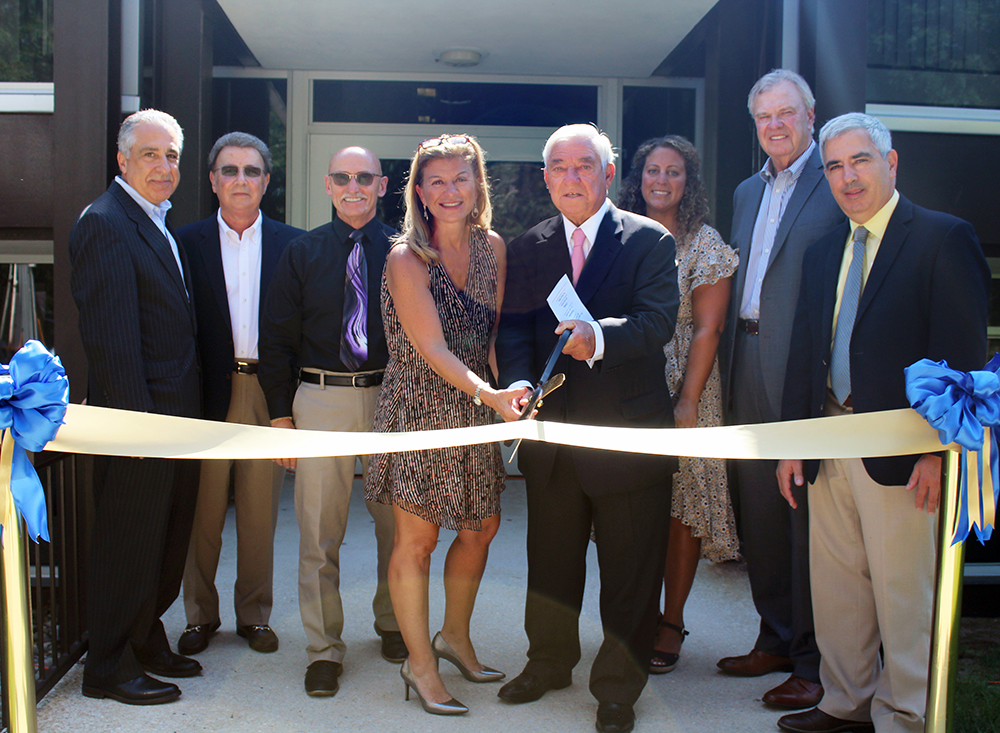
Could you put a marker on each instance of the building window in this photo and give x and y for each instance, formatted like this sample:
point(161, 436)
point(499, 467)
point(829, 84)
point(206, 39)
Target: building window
point(453, 103)
point(939, 53)
point(26, 40)
point(259, 107)
point(649, 112)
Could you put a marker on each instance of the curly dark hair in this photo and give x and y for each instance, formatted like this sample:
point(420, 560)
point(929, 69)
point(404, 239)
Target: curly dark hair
point(693, 210)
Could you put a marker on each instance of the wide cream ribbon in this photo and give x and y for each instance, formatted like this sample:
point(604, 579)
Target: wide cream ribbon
point(104, 431)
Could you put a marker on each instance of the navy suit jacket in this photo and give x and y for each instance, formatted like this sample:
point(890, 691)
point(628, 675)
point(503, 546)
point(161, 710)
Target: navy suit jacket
point(136, 321)
point(629, 284)
point(926, 297)
point(810, 213)
point(208, 288)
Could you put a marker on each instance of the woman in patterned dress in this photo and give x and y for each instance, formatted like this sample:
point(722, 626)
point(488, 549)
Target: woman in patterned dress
point(664, 184)
point(441, 293)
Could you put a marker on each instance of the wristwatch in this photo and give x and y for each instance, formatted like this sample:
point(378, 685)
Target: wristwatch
point(476, 399)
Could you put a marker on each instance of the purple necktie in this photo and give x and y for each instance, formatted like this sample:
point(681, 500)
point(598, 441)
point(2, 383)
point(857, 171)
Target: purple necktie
point(354, 333)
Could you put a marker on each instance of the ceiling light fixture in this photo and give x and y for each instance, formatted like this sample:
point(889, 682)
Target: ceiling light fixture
point(460, 57)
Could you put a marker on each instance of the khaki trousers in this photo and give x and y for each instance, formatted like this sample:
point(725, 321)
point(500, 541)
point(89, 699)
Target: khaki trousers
point(322, 498)
point(872, 558)
point(257, 486)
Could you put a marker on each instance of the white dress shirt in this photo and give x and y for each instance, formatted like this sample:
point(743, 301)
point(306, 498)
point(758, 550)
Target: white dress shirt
point(241, 265)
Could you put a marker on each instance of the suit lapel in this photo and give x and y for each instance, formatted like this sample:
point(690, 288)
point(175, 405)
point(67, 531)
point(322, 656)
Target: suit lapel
point(745, 229)
point(270, 252)
point(602, 255)
point(151, 235)
point(811, 176)
point(210, 250)
point(888, 249)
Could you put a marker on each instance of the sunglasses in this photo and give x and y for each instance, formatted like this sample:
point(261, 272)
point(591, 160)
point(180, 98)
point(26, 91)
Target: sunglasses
point(231, 171)
point(364, 178)
point(444, 140)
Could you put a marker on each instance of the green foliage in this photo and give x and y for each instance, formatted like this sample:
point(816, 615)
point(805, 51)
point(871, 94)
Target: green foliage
point(26, 40)
point(976, 702)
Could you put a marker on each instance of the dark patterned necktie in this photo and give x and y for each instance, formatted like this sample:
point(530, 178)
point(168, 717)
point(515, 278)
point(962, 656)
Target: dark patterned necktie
point(354, 333)
point(840, 358)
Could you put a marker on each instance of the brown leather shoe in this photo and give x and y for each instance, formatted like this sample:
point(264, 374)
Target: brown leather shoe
point(795, 693)
point(755, 664)
point(816, 721)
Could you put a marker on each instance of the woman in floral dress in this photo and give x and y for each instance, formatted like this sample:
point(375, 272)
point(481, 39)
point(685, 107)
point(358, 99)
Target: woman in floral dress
point(664, 184)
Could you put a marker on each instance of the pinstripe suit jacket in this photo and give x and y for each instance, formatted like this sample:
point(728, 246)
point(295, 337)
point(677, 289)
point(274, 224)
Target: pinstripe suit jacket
point(137, 322)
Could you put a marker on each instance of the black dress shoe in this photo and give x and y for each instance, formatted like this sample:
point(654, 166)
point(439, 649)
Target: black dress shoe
point(816, 721)
point(261, 638)
point(527, 687)
point(393, 647)
point(321, 678)
point(168, 664)
point(615, 717)
point(144, 690)
point(195, 637)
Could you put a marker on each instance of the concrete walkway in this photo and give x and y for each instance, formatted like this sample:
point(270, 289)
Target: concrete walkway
point(241, 690)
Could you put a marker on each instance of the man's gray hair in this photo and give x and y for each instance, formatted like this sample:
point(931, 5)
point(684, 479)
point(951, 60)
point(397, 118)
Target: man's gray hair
point(879, 133)
point(775, 77)
point(240, 140)
point(126, 133)
point(597, 139)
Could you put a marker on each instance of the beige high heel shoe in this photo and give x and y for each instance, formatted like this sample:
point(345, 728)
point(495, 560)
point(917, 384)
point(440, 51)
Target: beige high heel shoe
point(442, 650)
point(451, 707)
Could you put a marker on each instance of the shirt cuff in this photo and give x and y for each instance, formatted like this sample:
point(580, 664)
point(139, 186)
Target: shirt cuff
point(598, 343)
point(521, 383)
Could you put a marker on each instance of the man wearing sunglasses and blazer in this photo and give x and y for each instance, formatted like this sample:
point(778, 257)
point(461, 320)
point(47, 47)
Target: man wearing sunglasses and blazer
point(233, 254)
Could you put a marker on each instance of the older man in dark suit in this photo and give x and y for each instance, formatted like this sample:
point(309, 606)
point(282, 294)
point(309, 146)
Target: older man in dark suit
point(623, 267)
point(233, 254)
point(895, 284)
point(131, 282)
point(778, 213)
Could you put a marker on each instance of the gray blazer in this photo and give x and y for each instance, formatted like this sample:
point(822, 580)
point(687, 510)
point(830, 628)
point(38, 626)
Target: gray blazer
point(810, 213)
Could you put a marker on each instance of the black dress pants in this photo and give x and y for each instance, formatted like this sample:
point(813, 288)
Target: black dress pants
point(631, 532)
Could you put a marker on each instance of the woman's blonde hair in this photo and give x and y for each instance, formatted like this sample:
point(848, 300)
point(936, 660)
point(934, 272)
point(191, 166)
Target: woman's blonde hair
point(418, 224)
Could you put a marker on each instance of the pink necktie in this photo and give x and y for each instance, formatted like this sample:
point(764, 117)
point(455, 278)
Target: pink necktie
point(577, 258)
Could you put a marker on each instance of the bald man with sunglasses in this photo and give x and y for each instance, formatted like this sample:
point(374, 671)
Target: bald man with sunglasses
point(322, 355)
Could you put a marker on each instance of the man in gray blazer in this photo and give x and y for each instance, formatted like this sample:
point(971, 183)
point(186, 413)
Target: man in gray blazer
point(778, 213)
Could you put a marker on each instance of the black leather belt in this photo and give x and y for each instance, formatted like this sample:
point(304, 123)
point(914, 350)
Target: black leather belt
point(358, 381)
point(748, 326)
point(245, 367)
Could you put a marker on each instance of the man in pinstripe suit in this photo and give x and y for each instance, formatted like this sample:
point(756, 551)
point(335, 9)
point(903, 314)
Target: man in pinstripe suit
point(130, 283)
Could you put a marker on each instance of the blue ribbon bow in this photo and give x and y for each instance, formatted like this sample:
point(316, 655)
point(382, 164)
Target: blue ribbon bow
point(34, 391)
point(960, 405)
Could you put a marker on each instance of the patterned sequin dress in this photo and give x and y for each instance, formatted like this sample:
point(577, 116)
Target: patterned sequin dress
point(455, 488)
point(701, 494)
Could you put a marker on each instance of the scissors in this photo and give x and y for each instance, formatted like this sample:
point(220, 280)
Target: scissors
point(546, 384)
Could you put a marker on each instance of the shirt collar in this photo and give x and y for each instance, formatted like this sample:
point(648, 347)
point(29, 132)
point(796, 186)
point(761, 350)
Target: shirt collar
point(877, 225)
point(226, 230)
point(795, 169)
point(590, 226)
point(342, 230)
point(157, 212)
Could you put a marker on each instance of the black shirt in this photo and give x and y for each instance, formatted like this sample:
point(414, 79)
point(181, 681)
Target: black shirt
point(303, 311)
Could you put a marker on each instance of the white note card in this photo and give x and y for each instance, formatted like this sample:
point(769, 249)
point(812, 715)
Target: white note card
point(566, 304)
